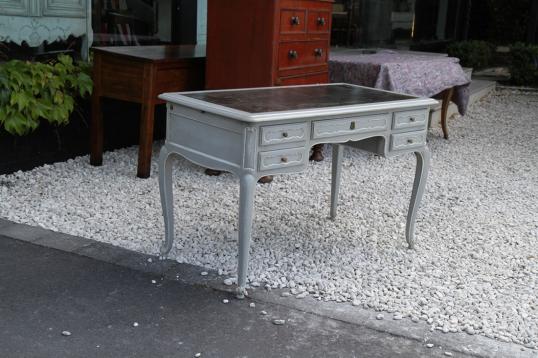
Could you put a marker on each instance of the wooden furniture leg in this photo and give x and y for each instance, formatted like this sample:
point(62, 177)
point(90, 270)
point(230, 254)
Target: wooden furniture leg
point(96, 125)
point(446, 96)
point(317, 153)
point(146, 140)
point(146, 124)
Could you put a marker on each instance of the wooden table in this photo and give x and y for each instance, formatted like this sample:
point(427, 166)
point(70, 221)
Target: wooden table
point(139, 74)
point(258, 132)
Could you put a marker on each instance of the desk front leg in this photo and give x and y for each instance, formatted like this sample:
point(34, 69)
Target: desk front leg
point(421, 174)
point(246, 210)
point(336, 167)
point(167, 200)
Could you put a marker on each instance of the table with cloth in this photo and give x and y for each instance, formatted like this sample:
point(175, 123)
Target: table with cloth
point(423, 75)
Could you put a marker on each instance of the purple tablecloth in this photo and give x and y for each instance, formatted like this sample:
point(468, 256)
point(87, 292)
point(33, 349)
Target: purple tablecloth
point(411, 73)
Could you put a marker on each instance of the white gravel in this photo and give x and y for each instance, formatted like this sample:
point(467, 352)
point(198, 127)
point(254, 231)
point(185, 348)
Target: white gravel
point(475, 267)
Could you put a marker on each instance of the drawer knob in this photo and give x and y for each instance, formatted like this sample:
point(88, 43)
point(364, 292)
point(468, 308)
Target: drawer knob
point(285, 134)
point(318, 52)
point(295, 20)
point(410, 141)
point(352, 125)
point(293, 54)
point(284, 160)
point(321, 21)
point(412, 119)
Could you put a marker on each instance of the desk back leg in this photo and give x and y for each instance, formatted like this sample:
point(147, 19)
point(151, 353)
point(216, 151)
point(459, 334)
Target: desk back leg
point(167, 199)
point(246, 211)
point(336, 167)
point(421, 174)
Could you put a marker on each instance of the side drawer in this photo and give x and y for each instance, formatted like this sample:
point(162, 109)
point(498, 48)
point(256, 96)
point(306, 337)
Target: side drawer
point(407, 140)
point(276, 159)
point(286, 133)
point(410, 119)
point(319, 21)
point(304, 79)
point(292, 21)
point(351, 125)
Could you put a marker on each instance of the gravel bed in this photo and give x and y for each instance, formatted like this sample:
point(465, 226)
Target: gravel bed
point(475, 267)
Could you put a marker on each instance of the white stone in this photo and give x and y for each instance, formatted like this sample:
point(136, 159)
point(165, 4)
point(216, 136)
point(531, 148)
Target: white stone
point(66, 333)
point(429, 345)
point(263, 313)
point(379, 316)
point(135, 324)
point(279, 322)
point(252, 305)
point(225, 301)
point(203, 273)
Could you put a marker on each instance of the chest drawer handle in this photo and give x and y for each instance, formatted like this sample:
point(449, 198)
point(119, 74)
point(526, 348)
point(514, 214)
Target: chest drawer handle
point(284, 160)
point(318, 52)
point(410, 141)
point(293, 54)
point(352, 125)
point(412, 119)
point(285, 134)
point(321, 21)
point(295, 20)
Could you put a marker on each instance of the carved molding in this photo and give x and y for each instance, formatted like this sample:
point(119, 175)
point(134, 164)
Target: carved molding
point(34, 31)
point(15, 7)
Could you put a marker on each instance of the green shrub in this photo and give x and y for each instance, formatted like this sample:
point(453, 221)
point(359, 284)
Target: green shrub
point(34, 91)
point(524, 64)
point(475, 54)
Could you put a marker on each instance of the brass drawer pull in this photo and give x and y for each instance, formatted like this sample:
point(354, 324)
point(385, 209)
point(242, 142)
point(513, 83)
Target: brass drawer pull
point(352, 125)
point(321, 21)
point(284, 160)
point(318, 52)
point(285, 134)
point(293, 54)
point(295, 20)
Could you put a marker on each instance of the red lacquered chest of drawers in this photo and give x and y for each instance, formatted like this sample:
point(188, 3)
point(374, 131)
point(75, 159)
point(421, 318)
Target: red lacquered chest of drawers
point(256, 43)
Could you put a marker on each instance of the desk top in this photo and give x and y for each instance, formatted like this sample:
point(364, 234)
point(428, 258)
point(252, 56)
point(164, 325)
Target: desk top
point(159, 53)
point(274, 103)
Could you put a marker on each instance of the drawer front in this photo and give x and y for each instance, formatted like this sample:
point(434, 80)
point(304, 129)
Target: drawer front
point(408, 140)
point(292, 21)
point(410, 119)
point(351, 125)
point(301, 53)
point(286, 133)
point(319, 21)
point(320, 77)
point(284, 158)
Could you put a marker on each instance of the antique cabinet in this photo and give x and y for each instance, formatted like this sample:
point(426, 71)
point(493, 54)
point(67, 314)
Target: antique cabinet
point(36, 21)
point(267, 43)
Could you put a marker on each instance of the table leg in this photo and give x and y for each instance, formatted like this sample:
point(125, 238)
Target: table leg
point(246, 210)
point(446, 97)
point(336, 167)
point(167, 199)
point(421, 174)
point(96, 132)
point(145, 140)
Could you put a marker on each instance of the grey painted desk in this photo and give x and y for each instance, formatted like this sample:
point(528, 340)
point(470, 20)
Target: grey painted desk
point(257, 132)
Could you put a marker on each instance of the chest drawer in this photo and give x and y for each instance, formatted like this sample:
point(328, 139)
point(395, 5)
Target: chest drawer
point(276, 159)
point(407, 140)
point(351, 125)
point(286, 133)
point(301, 53)
point(318, 21)
point(311, 78)
point(292, 21)
point(410, 119)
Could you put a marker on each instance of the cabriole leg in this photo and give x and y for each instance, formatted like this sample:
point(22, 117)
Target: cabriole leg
point(336, 167)
point(246, 211)
point(167, 199)
point(421, 174)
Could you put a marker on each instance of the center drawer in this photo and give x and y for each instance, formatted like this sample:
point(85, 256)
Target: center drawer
point(276, 159)
point(285, 133)
point(301, 53)
point(351, 125)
